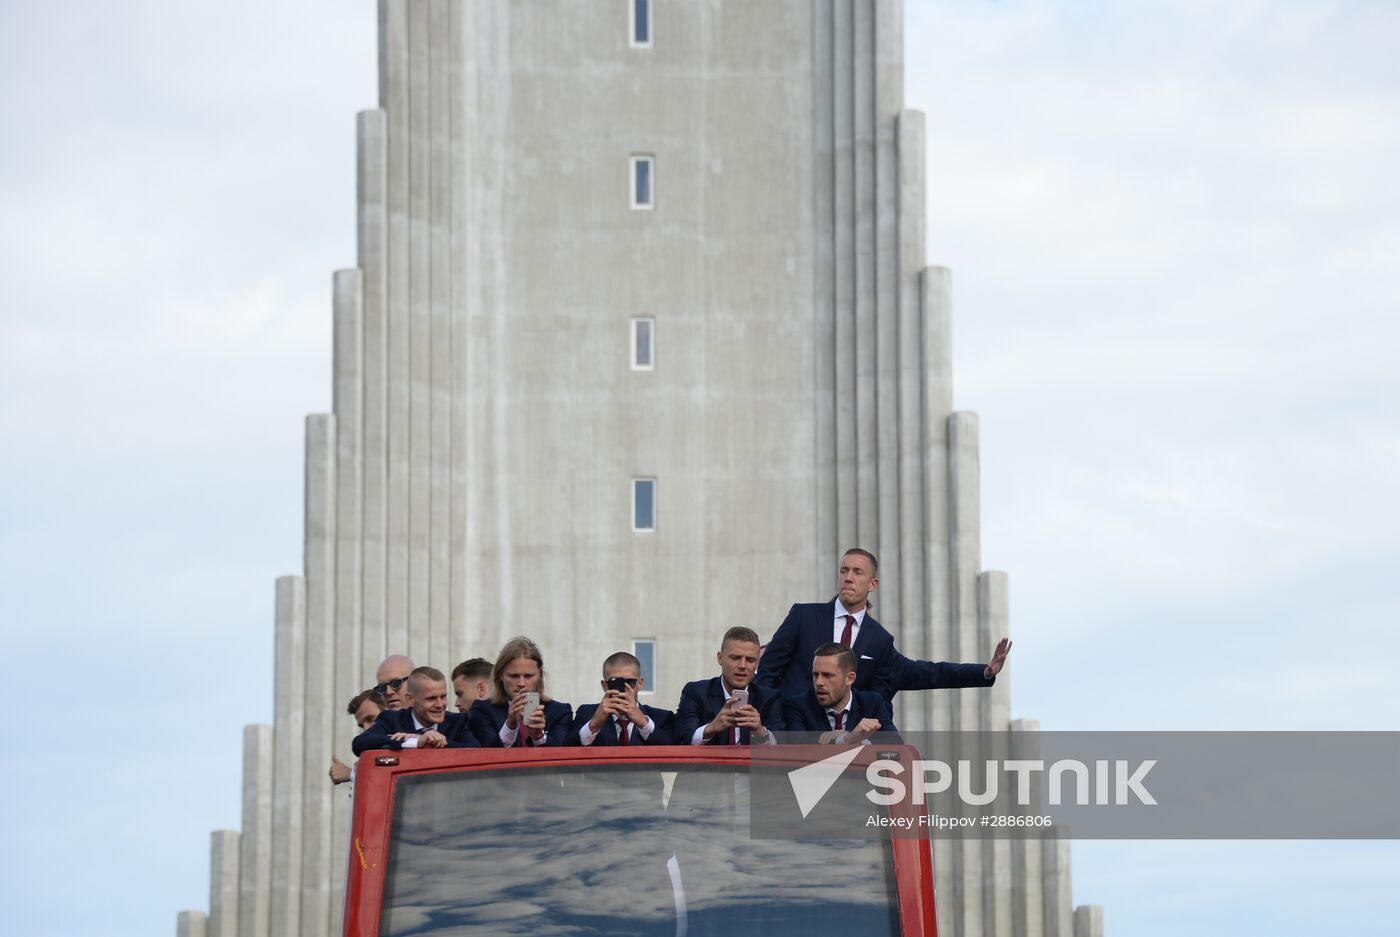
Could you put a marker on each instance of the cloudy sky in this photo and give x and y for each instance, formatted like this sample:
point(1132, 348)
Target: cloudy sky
point(1173, 229)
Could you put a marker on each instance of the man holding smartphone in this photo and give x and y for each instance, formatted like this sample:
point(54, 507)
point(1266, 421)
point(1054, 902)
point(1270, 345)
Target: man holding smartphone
point(518, 714)
point(618, 719)
point(729, 709)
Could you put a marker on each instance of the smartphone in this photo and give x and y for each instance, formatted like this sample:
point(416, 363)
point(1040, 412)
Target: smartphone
point(532, 702)
point(617, 683)
point(741, 698)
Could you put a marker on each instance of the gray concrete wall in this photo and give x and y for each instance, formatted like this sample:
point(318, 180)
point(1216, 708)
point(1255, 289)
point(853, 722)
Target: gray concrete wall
point(560, 264)
point(474, 479)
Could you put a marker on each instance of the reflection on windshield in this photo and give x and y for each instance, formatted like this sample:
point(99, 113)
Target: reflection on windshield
point(603, 850)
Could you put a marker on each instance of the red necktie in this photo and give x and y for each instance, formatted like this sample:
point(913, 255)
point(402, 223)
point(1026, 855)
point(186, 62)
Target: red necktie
point(621, 732)
point(840, 716)
point(846, 635)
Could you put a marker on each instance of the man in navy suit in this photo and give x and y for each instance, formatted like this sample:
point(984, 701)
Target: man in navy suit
point(501, 720)
point(709, 714)
point(425, 723)
point(833, 707)
point(471, 679)
point(847, 620)
point(618, 719)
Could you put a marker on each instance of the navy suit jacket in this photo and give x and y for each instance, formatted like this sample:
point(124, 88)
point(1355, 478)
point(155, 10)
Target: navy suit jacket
point(391, 721)
point(486, 719)
point(909, 674)
point(702, 700)
point(607, 735)
point(805, 714)
point(787, 662)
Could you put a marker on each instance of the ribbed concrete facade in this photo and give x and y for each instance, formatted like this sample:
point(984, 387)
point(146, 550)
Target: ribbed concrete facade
point(475, 478)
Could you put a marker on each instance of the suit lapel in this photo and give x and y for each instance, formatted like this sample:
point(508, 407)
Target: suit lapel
point(828, 627)
point(717, 699)
point(609, 731)
point(717, 694)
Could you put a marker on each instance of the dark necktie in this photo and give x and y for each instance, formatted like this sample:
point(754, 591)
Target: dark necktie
point(839, 716)
point(621, 732)
point(846, 635)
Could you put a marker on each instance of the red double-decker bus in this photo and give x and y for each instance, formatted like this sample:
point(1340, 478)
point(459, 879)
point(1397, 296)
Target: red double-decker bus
point(611, 841)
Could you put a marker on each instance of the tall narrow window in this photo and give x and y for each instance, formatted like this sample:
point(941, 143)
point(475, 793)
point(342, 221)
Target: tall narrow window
point(643, 344)
point(643, 504)
point(640, 25)
point(645, 652)
point(643, 182)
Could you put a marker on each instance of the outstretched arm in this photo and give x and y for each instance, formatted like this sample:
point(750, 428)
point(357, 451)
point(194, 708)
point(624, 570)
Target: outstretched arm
point(936, 675)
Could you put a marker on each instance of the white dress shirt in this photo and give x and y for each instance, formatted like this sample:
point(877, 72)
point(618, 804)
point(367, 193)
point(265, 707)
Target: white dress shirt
point(846, 726)
point(586, 734)
point(418, 727)
point(507, 734)
point(698, 737)
point(838, 627)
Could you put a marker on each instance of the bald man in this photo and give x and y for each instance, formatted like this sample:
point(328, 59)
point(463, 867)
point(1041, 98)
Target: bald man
point(389, 680)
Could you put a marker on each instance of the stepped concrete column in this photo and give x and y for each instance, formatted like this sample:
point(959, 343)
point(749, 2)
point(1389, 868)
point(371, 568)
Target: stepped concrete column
point(319, 553)
point(1088, 920)
point(223, 883)
point(1059, 915)
point(255, 862)
point(289, 730)
point(371, 152)
point(1027, 886)
point(191, 924)
point(914, 711)
point(964, 551)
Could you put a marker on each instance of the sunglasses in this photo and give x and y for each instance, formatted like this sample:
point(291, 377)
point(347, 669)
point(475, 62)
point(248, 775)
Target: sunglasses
point(394, 685)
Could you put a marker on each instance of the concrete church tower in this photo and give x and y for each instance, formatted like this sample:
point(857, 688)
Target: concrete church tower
point(640, 337)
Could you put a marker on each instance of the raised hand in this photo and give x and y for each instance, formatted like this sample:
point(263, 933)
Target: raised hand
point(998, 658)
point(340, 771)
point(516, 711)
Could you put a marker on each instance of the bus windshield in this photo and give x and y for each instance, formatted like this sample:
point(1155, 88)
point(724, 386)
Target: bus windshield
point(644, 849)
